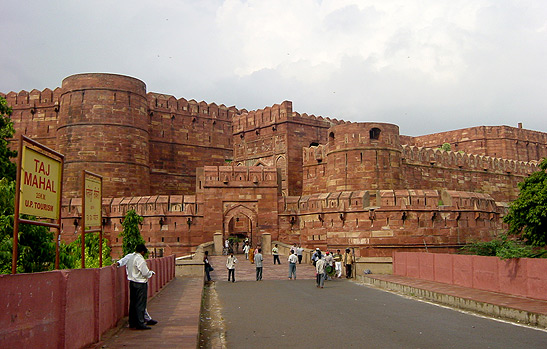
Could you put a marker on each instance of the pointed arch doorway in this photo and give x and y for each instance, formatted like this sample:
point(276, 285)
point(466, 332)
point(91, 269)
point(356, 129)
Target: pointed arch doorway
point(240, 223)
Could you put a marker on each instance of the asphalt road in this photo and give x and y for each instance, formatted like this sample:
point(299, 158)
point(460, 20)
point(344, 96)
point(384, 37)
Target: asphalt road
point(296, 314)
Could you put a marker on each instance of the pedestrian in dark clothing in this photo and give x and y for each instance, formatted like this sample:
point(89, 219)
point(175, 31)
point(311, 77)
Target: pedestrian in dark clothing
point(207, 266)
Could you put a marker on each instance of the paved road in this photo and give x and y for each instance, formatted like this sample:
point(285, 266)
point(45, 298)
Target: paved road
point(296, 314)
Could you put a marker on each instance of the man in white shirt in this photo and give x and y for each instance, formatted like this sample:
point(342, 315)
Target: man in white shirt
point(231, 266)
point(258, 264)
point(299, 251)
point(246, 249)
point(147, 318)
point(138, 275)
point(320, 272)
point(292, 265)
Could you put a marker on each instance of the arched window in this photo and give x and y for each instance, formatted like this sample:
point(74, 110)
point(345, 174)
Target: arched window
point(331, 137)
point(375, 133)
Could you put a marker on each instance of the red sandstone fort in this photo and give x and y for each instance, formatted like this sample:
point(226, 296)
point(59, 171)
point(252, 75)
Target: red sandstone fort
point(194, 169)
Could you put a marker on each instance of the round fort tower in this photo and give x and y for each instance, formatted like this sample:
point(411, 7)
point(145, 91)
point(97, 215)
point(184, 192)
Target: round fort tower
point(363, 156)
point(103, 128)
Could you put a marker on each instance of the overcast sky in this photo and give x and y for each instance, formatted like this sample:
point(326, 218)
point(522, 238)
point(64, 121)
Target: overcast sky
point(427, 66)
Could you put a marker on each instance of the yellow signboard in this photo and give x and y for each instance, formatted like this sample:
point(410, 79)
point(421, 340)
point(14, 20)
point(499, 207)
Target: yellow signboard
point(92, 201)
point(40, 184)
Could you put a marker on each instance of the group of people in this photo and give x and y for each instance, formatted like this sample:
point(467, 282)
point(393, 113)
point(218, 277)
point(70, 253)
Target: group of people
point(329, 265)
point(138, 273)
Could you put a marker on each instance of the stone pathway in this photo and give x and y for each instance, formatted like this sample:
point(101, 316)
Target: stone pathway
point(245, 271)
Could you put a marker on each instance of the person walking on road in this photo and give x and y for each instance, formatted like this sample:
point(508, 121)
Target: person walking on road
point(299, 251)
point(338, 263)
point(329, 266)
point(348, 262)
point(138, 275)
point(258, 263)
point(275, 253)
point(252, 255)
point(231, 265)
point(292, 265)
point(320, 272)
point(246, 249)
point(207, 266)
point(316, 256)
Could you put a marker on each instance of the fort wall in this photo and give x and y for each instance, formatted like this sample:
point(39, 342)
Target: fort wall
point(351, 160)
point(274, 136)
point(142, 143)
point(379, 222)
point(185, 135)
point(496, 141)
point(300, 178)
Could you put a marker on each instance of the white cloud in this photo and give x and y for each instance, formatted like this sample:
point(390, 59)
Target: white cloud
point(427, 65)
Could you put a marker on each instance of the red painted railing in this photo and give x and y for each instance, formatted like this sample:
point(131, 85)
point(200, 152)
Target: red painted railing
point(69, 308)
point(525, 277)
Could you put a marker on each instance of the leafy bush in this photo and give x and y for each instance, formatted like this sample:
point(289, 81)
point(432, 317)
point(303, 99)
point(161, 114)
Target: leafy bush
point(504, 248)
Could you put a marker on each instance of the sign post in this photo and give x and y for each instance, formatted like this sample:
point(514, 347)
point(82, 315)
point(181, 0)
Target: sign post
point(38, 190)
point(92, 200)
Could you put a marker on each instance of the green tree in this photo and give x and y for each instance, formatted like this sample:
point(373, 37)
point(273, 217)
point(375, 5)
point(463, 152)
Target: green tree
point(8, 168)
point(131, 233)
point(527, 217)
point(36, 247)
point(445, 147)
point(91, 251)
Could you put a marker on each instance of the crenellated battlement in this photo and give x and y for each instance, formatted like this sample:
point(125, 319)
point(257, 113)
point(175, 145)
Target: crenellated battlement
point(169, 104)
point(33, 99)
point(314, 155)
point(471, 162)
point(375, 200)
point(253, 120)
point(227, 176)
point(146, 206)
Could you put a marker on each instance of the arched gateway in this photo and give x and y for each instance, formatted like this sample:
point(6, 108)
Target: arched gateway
point(240, 222)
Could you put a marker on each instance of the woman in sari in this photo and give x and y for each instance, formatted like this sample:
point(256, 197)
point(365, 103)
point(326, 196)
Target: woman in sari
point(252, 256)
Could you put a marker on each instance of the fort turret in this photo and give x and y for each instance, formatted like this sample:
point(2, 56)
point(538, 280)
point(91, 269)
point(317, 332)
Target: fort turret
point(103, 128)
point(363, 156)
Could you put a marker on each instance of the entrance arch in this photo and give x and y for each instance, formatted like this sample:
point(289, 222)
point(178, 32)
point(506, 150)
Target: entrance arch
point(240, 221)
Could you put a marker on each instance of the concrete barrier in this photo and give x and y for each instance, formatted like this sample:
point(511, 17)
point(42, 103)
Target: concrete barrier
point(68, 308)
point(522, 276)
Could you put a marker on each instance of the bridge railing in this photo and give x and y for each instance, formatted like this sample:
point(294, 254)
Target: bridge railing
point(520, 276)
point(69, 308)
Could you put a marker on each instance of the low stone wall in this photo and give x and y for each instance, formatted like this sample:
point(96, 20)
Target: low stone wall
point(69, 308)
point(192, 266)
point(521, 277)
point(376, 265)
point(285, 250)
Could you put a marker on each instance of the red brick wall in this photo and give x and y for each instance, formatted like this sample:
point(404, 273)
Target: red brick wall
point(377, 223)
point(496, 141)
point(185, 135)
point(275, 136)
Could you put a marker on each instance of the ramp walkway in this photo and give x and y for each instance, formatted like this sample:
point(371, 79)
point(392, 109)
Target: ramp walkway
point(177, 308)
point(245, 271)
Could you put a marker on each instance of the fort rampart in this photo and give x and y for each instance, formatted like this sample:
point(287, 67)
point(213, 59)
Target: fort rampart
point(370, 156)
point(379, 222)
point(301, 178)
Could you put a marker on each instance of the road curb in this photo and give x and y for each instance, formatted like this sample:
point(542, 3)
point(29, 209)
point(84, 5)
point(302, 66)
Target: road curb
point(484, 308)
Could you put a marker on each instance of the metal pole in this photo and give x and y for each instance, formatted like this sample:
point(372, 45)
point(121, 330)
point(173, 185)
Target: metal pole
point(16, 208)
point(57, 252)
point(83, 220)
